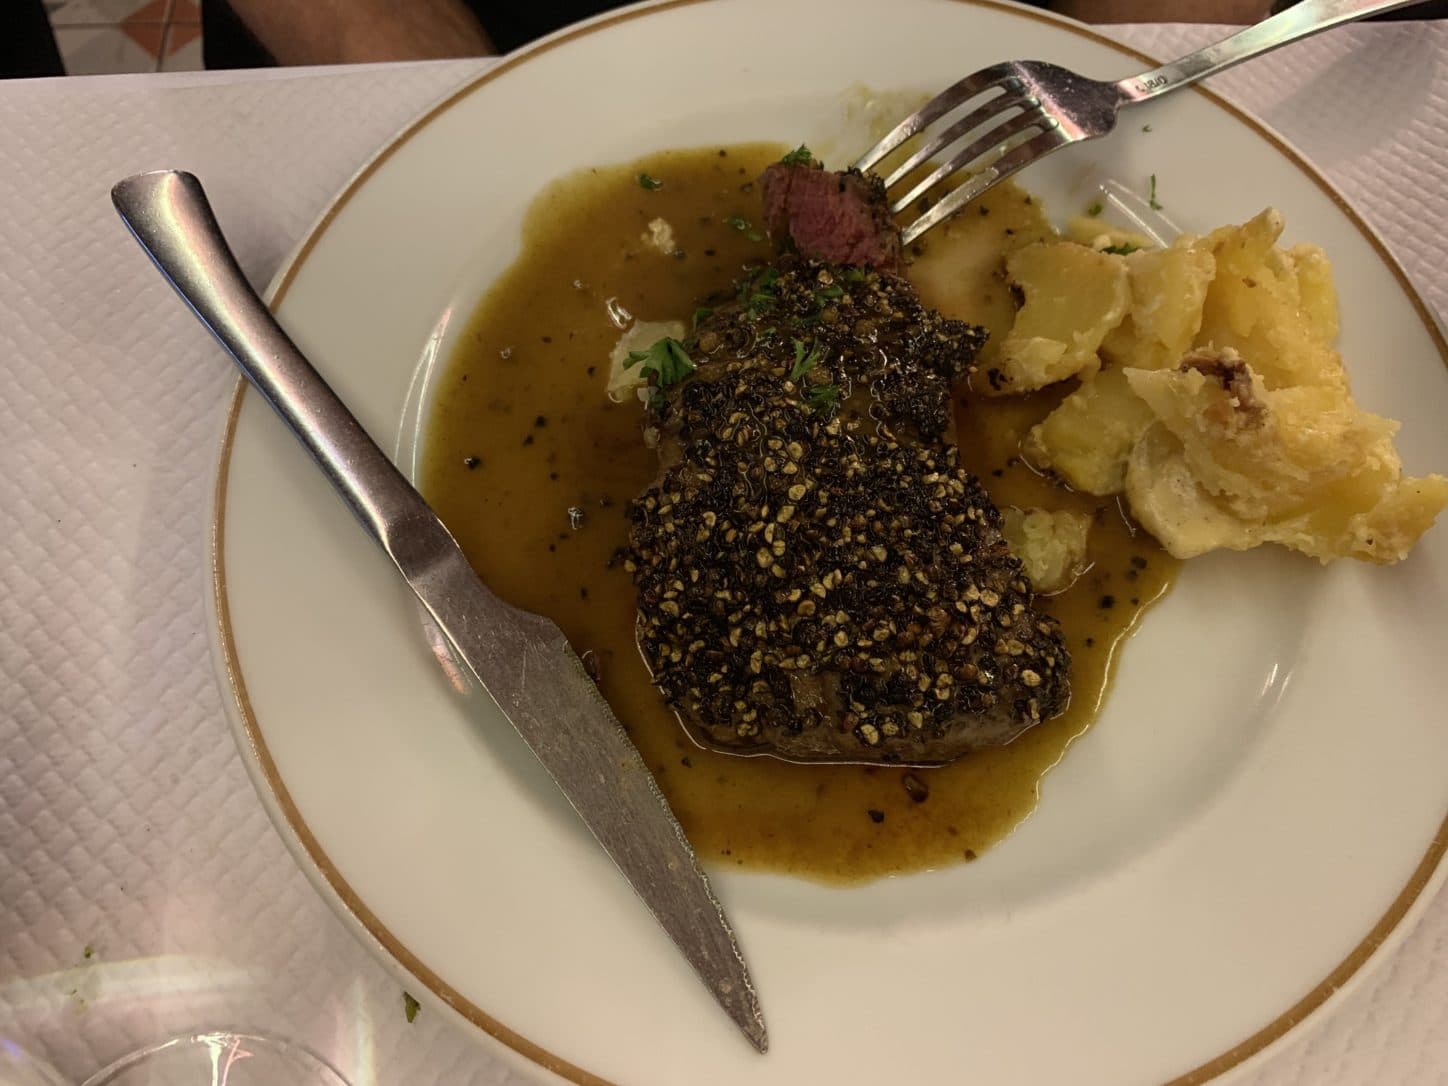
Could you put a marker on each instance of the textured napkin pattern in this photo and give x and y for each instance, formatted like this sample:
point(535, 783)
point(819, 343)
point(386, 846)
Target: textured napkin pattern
point(127, 824)
point(128, 828)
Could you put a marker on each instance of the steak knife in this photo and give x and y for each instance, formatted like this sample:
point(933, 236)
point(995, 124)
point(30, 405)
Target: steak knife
point(521, 659)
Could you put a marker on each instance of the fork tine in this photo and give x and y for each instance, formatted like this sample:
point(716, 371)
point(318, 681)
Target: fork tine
point(937, 107)
point(994, 137)
point(1021, 155)
point(972, 120)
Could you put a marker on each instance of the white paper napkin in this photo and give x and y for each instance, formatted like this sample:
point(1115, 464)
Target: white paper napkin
point(128, 828)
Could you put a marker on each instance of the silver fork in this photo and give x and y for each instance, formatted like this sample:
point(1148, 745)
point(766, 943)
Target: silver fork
point(1035, 108)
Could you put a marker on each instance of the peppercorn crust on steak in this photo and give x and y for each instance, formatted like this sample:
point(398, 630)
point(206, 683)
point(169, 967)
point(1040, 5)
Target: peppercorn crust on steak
point(817, 578)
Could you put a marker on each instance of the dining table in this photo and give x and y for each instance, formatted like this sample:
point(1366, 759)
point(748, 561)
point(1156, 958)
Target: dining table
point(144, 892)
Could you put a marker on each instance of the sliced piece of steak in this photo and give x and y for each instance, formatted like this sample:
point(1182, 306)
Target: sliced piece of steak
point(840, 218)
point(817, 577)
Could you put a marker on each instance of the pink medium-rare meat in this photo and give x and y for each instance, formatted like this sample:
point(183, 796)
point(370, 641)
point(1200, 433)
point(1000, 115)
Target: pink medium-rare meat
point(839, 218)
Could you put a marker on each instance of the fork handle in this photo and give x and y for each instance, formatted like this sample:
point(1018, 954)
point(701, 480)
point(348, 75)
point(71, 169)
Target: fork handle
point(1299, 21)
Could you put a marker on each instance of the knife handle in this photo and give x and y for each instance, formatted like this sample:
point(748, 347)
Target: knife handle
point(168, 213)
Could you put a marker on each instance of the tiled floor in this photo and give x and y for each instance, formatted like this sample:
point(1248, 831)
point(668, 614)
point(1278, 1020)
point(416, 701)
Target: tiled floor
point(98, 37)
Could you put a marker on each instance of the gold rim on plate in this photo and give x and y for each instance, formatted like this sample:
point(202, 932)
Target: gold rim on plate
point(369, 921)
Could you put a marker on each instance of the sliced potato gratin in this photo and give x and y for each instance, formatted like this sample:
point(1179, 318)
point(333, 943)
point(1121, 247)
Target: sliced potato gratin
point(1210, 395)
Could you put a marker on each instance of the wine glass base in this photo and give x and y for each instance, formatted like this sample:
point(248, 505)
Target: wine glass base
point(219, 1059)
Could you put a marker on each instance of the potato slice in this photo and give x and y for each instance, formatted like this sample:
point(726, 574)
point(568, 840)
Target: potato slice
point(1187, 521)
point(1270, 454)
point(1305, 467)
point(1073, 297)
point(1171, 505)
point(1168, 288)
point(1316, 291)
point(1087, 439)
point(1051, 545)
point(1386, 532)
point(1255, 306)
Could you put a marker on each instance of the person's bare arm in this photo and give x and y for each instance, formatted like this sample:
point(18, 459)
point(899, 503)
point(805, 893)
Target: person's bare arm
point(358, 31)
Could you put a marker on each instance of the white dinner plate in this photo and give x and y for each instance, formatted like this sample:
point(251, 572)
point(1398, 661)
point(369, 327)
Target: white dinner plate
point(1259, 810)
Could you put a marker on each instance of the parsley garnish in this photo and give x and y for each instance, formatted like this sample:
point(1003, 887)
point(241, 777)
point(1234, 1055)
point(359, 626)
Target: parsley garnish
point(854, 275)
point(1146, 128)
point(805, 359)
point(756, 292)
point(737, 223)
point(651, 183)
point(824, 399)
point(1121, 250)
point(800, 156)
point(1095, 209)
point(700, 313)
point(409, 1006)
point(666, 360)
point(754, 235)
point(1151, 199)
point(764, 278)
point(834, 290)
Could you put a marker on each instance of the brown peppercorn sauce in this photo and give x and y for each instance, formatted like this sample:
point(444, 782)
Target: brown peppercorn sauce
point(542, 510)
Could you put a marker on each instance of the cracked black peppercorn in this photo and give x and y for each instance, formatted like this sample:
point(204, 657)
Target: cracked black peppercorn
point(817, 575)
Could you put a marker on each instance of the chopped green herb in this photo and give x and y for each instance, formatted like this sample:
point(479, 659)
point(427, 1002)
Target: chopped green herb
point(824, 399)
point(834, 290)
point(409, 1006)
point(805, 359)
point(756, 292)
point(666, 360)
point(89, 951)
point(854, 275)
point(1121, 250)
point(763, 279)
point(1151, 198)
point(758, 304)
point(800, 156)
point(1146, 128)
point(650, 183)
point(1095, 209)
point(700, 313)
point(737, 223)
point(754, 235)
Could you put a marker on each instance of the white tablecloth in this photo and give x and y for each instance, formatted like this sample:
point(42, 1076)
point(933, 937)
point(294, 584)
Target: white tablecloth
point(142, 890)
